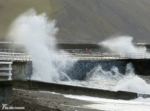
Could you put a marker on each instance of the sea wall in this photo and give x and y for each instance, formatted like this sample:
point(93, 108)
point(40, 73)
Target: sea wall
point(82, 67)
point(76, 90)
point(141, 66)
point(6, 93)
point(23, 70)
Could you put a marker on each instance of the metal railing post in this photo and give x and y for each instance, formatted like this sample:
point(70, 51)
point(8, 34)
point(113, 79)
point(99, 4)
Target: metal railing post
point(9, 72)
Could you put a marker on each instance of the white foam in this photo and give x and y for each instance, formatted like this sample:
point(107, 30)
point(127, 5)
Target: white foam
point(113, 80)
point(99, 100)
point(124, 46)
point(37, 34)
point(118, 107)
point(140, 99)
point(133, 84)
point(108, 104)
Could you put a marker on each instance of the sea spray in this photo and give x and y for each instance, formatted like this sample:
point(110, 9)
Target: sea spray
point(124, 46)
point(133, 84)
point(114, 80)
point(36, 33)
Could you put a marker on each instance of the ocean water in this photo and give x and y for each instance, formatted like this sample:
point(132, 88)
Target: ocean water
point(113, 80)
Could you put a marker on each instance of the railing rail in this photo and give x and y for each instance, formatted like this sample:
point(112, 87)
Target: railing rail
point(9, 55)
point(5, 70)
point(98, 56)
point(15, 56)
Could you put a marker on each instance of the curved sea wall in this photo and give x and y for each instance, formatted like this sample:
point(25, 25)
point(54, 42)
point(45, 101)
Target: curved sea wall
point(23, 70)
point(82, 67)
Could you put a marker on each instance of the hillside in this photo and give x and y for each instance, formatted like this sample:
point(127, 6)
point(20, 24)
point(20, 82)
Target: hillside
point(85, 21)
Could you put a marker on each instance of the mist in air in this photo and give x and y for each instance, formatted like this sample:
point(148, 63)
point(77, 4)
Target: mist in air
point(36, 33)
point(125, 47)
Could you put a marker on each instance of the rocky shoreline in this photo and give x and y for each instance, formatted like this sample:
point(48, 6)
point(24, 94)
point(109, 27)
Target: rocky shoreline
point(46, 101)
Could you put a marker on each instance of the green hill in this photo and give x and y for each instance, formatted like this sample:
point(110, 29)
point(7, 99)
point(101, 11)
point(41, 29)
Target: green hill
point(85, 20)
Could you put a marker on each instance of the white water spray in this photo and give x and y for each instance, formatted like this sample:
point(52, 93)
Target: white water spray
point(124, 46)
point(37, 34)
point(114, 80)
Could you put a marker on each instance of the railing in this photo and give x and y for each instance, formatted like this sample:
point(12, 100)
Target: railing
point(102, 56)
point(5, 69)
point(15, 56)
point(105, 54)
point(7, 50)
point(98, 56)
point(9, 55)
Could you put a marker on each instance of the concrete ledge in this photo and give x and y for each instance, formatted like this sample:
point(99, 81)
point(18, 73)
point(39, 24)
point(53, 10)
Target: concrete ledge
point(67, 89)
point(6, 93)
point(6, 83)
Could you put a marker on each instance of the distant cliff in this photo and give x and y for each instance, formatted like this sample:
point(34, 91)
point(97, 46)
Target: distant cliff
point(86, 21)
